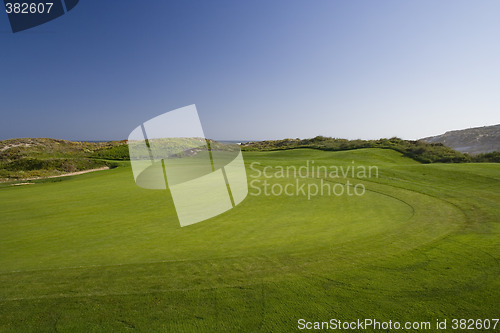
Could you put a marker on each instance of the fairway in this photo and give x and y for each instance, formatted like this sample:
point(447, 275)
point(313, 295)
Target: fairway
point(95, 252)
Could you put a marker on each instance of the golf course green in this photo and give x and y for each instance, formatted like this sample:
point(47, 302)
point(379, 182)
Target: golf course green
point(95, 252)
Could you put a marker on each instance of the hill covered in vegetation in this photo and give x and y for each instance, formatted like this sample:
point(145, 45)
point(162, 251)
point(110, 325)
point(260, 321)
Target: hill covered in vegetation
point(42, 157)
point(476, 140)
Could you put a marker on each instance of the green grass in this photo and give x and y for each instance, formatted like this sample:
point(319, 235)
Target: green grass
point(97, 253)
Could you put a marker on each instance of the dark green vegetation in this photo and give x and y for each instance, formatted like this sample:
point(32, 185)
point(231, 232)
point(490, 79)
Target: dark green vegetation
point(418, 150)
point(475, 140)
point(97, 253)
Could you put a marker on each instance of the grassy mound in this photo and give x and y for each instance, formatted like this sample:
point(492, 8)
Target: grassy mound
point(418, 150)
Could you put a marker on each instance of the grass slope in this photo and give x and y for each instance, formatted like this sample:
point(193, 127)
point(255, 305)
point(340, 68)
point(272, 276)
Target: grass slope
point(96, 253)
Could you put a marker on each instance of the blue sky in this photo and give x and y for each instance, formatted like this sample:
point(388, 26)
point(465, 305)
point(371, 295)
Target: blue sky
point(255, 69)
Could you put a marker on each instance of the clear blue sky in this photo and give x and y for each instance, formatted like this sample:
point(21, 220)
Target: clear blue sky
point(255, 69)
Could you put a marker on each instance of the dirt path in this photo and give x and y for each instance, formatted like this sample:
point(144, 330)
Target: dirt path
point(68, 174)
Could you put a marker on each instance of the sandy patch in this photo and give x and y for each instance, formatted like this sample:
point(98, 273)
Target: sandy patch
point(15, 145)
